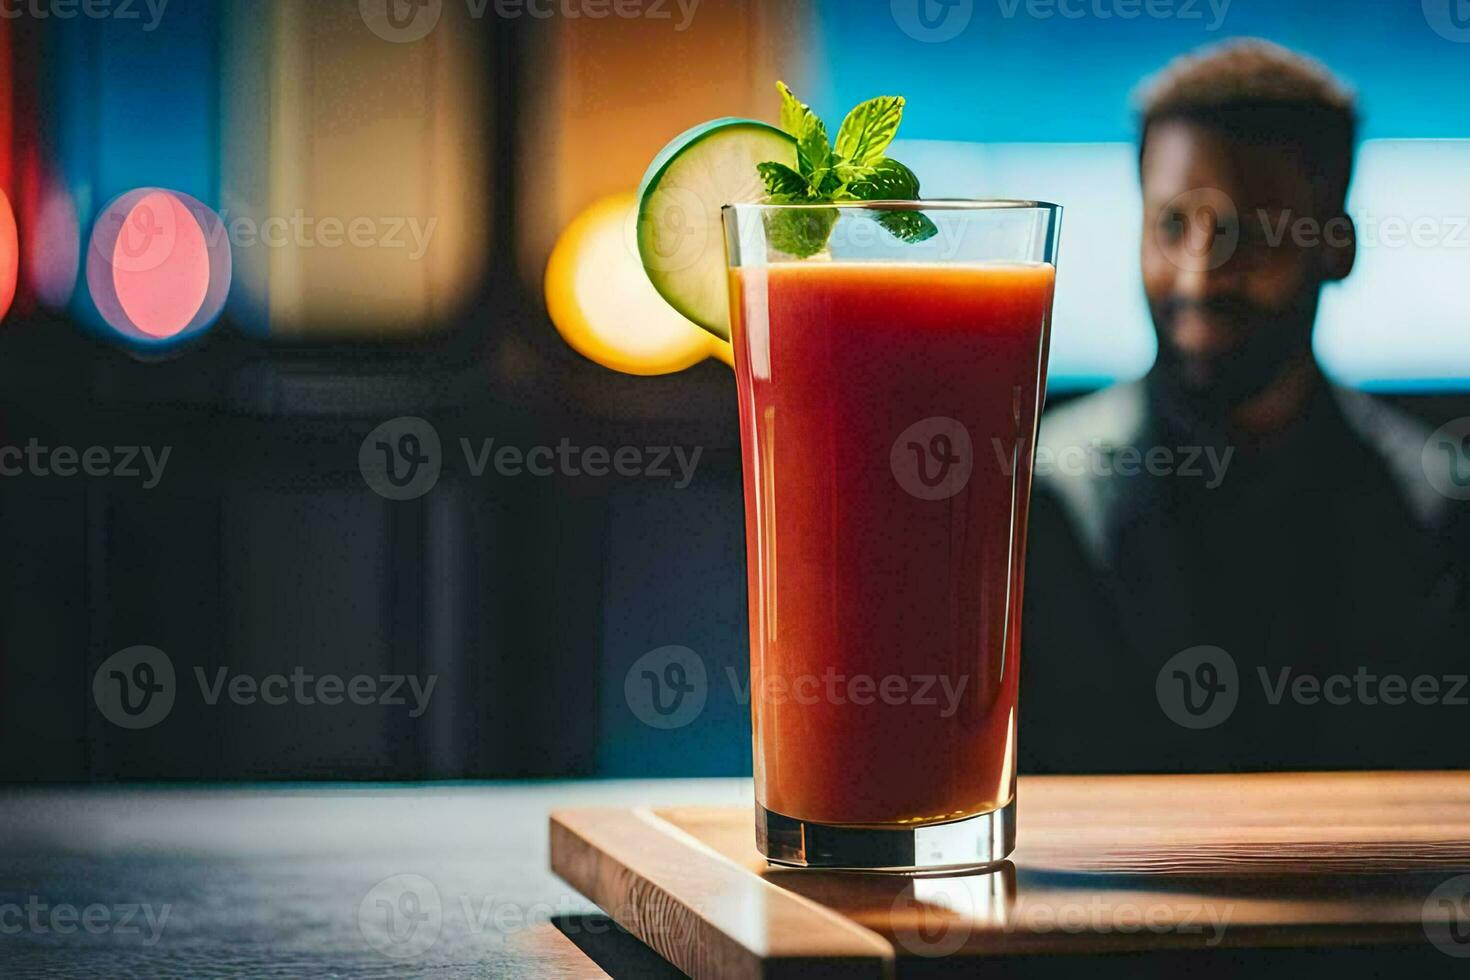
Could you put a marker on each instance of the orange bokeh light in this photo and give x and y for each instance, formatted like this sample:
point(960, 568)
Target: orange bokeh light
point(9, 255)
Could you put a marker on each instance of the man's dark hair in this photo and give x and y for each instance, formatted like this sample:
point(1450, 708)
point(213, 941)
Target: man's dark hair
point(1258, 92)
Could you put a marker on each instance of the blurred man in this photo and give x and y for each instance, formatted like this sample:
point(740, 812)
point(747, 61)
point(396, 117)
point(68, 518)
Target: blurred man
point(1235, 564)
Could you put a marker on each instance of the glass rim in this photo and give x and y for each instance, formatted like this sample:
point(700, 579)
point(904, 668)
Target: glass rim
point(939, 204)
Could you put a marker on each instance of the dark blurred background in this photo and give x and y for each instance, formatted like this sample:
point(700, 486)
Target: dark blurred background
point(265, 549)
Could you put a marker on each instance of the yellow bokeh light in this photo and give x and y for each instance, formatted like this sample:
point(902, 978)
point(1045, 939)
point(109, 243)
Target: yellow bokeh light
point(602, 303)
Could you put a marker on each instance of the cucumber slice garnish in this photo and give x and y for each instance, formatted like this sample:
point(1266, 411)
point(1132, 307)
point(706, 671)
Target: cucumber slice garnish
point(680, 236)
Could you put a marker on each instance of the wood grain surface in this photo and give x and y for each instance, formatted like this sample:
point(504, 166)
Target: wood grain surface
point(1108, 864)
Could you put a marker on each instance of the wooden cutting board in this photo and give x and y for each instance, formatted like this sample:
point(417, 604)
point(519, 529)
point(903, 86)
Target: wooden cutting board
point(1107, 864)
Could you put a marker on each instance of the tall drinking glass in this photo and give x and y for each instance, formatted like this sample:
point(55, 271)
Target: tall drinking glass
point(889, 394)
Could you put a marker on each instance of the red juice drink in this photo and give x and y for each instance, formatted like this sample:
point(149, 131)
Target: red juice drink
point(888, 413)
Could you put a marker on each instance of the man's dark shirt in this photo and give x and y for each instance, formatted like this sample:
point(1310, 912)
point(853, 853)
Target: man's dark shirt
point(1329, 554)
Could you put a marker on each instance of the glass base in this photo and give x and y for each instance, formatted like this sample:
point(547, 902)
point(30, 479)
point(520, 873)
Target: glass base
point(970, 844)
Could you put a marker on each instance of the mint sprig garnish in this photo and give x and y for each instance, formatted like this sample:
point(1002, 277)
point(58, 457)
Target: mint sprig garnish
point(855, 168)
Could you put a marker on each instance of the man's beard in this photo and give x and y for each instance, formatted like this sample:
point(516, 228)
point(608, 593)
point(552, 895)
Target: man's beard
point(1203, 393)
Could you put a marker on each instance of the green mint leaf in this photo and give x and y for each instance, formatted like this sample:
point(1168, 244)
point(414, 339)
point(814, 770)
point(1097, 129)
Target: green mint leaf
point(854, 170)
point(782, 182)
point(889, 181)
point(813, 148)
point(814, 153)
point(802, 232)
point(829, 184)
point(851, 173)
point(869, 128)
point(794, 112)
point(911, 227)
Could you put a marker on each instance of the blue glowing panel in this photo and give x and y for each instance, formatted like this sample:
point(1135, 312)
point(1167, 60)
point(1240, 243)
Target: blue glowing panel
point(138, 107)
point(1401, 320)
point(1035, 99)
point(1101, 328)
point(1404, 314)
point(133, 104)
point(1064, 70)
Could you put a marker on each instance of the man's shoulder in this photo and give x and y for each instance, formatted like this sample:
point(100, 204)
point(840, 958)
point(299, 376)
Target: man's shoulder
point(1401, 441)
point(1118, 417)
point(1114, 416)
point(1070, 435)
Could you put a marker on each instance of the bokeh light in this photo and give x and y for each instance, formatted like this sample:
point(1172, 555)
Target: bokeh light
point(357, 170)
point(9, 255)
point(159, 265)
point(54, 249)
point(602, 303)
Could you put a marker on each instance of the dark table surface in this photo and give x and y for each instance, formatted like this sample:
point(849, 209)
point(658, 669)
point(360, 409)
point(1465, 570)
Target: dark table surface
point(440, 881)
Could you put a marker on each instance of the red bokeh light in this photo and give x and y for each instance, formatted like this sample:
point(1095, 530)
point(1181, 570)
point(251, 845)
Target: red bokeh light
point(159, 265)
